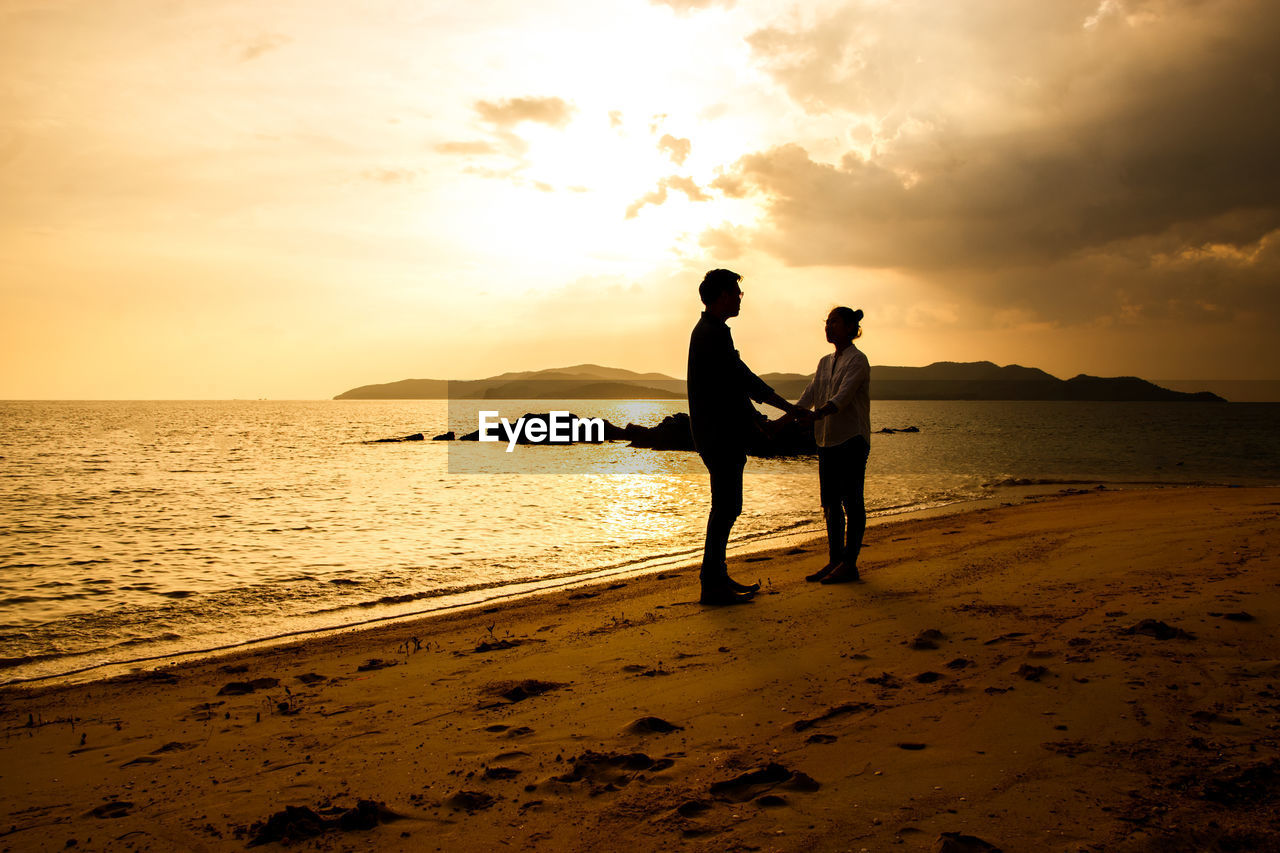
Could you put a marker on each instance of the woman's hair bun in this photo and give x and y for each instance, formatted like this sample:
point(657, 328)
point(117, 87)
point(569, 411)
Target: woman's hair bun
point(857, 315)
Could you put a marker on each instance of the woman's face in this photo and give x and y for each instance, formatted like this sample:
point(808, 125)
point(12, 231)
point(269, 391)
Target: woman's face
point(837, 329)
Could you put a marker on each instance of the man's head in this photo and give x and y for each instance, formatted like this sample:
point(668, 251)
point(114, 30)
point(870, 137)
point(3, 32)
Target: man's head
point(721, 294)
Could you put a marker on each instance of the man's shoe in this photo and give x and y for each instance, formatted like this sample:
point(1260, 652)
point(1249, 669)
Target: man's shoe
point(842, 574)
point(741, 587)
point(719, 595)
point(822, 572)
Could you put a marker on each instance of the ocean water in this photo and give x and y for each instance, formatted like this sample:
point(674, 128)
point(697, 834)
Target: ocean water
point(136, 530)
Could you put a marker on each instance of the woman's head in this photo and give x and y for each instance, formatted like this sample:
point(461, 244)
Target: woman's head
point(843, 325)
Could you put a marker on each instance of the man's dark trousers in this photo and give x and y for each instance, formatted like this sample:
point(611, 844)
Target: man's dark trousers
point(725, 465)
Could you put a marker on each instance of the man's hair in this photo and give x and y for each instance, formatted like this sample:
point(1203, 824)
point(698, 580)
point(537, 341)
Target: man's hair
point(717, 282)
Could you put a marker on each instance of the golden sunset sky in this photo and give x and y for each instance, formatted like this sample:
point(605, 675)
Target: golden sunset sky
point(286, 199)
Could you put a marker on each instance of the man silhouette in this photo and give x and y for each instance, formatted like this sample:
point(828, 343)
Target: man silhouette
point(723, 420)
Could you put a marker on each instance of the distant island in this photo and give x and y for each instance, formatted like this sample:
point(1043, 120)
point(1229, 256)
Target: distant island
point(943, 380)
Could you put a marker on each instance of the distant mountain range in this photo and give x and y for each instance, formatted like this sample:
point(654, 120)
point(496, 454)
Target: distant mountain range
point(943, 380)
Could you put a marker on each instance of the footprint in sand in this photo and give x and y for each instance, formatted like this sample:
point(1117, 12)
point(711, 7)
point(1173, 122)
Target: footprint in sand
point(645, 671)
point(1157, 629)
point(832, 713)
point(693, 808)
point(927, 639)
point(374, 664)
point(141, 759)
point(958, 842)
point(497, 645)
point(753, 783)
point(240, 688)
point(1031, 672)
point(652, 725)
point(111, 810)
point(470, 801)
point(518, 691)
point(605, 772)
point(500, 773)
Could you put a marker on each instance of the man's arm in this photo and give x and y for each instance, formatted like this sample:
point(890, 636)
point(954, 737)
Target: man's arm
point(778, 402)
point(759, 390)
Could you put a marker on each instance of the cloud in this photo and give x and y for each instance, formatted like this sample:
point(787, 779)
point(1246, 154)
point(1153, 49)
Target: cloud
point(615, 118)
point(256, 47)
point(658, 196)
point(473, 146)
point(677, 149)
point(390, 176)
point(686, 186)
point(1068, 157)
point(726, 241)
point(685, 7)
point(506, 114)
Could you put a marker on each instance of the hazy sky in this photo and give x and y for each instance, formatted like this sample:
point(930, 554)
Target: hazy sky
point(216, 198)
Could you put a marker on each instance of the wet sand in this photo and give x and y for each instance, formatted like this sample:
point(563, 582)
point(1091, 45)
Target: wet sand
point(1094, 671)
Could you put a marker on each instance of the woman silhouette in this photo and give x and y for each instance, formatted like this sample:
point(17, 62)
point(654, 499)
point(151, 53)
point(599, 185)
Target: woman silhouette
point(841, 391)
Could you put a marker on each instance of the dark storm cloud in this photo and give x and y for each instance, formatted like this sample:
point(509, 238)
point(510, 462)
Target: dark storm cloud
point(1019, 146)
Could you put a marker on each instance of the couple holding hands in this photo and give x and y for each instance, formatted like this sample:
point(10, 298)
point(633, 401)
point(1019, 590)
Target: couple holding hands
point(836, 402)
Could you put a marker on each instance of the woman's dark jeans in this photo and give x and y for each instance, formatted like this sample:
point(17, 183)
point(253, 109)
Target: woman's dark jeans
point(842, 472)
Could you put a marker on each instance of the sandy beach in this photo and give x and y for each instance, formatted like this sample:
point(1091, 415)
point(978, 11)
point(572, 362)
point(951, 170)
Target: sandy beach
point(1098, 670)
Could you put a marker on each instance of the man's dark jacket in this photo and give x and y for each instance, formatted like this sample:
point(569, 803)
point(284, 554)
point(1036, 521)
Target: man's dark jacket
point(721, 389)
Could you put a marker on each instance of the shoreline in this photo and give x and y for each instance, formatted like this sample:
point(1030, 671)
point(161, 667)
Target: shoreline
point(1013, 493)
point(1095, 671)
